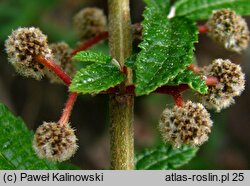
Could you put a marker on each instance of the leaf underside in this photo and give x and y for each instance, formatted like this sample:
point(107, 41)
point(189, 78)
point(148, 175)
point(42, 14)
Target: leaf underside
point(202, 9)
point(164, 157)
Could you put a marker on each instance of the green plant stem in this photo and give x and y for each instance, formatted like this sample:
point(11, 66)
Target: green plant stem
point(121, 106)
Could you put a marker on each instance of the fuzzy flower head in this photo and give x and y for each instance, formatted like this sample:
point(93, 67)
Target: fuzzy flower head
point(55, 142)
point(229, 29)
point(89, 22)
point(22, 46)
point(189, 124)
point(231, 84)
point(62, 56)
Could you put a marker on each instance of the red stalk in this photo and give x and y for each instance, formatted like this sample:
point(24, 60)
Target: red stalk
point(178, 99)
point(171, 90)
point(166, 89)
point(89, 43)
point(203, 29)
point(68, 109)
point(211, 80)
point(55, 68)
point(162, 90)
point(194, 68)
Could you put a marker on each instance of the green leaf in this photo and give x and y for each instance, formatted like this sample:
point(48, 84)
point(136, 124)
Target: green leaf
point(164, 157)
point(202, 9)
point(16, 145)
point(96, 78)
point(193, 80)
point(162, 6)
point(166, 50)
point(86, 56)
point(5, 164)
point(130, 61)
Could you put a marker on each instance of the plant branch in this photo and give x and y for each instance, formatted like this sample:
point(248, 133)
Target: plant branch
point(178, 99)
point(89, 43)
point(194, 68)
point(121, 105)
point(211, 80)
point(166, 89)
point(203, 29)
point(68, 108)
point(55, 68)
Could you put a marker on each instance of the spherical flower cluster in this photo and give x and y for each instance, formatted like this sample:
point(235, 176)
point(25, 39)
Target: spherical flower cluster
point(62, 56)
point(231, 83)
point(89, 22)
point(55, 142)
point(229, 29)
point(189, 124)
point(22, 46)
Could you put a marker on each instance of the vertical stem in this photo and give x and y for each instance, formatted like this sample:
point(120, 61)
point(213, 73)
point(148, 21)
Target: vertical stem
point(121, 106)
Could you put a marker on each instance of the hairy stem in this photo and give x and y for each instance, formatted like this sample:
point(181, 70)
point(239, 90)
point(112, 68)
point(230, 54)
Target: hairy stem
point(178, 99)
point(55, 68)
point(194, 68)
point(89, 43)
point(68, 108)
point(165, 89)
point(121, 105)
point(203, 29)
point(211, 80)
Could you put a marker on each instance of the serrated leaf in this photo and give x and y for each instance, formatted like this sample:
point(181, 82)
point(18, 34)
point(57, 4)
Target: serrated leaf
point(86, 56)
point(202, 9)
point(16, 145)
point(162, 6)
point(193, 80)
point(164, 157)
point(96, 78)
point(166, 50)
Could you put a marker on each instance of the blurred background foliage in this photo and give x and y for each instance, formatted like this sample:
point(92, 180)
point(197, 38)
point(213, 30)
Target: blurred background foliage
point(229, 143)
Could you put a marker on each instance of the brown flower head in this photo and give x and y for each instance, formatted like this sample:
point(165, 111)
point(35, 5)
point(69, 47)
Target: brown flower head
point(22, 46)
point(229, 29)
point(89, 22)
point(189, 124)
point(55, 142)
point(231, 84)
